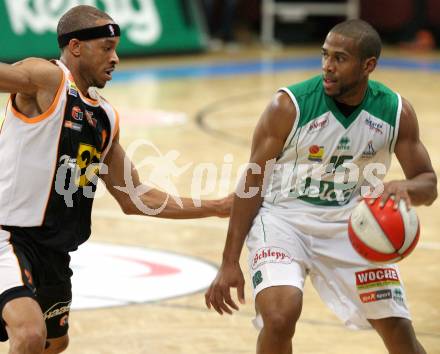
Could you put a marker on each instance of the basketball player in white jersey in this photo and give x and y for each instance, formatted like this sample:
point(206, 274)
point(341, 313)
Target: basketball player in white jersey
point(56, 130)
point(298, 225)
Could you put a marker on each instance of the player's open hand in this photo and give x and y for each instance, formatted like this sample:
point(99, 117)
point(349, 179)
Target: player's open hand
point(219, 293)
point(397, 190)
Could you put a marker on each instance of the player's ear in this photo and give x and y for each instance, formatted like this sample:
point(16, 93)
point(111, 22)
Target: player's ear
point(74, 47)
point(370, 65)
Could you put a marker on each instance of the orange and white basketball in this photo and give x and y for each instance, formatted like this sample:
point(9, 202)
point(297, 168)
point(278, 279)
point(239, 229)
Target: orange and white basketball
point(383, 235)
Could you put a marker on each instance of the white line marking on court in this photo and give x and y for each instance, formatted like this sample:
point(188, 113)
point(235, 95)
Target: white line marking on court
point(206, 223)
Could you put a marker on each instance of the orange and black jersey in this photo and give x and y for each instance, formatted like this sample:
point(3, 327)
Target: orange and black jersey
point(48, 178)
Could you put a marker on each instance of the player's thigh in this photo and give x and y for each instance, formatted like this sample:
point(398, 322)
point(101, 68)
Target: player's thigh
point(277, 254)
point(354, 289)
point(24, 319)
point(16, 283)
point(277, 263)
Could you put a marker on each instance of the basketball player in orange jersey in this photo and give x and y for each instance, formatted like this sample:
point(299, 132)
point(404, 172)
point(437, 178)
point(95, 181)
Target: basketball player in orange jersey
point(56, 130)
point(334, 123)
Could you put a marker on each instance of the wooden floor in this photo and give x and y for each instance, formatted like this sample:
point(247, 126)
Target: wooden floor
point(232, 105)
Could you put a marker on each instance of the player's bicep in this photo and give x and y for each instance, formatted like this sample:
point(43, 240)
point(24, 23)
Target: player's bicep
point(14, 79)
point(409, 149)
point(29, 75)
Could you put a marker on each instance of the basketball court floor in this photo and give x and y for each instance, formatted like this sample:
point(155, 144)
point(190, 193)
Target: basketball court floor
point(187, 122)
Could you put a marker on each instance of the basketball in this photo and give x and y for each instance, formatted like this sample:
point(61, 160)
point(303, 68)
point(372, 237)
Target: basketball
point(383, 235)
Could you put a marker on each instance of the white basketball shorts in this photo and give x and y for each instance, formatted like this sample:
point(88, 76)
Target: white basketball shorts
point(354, 289)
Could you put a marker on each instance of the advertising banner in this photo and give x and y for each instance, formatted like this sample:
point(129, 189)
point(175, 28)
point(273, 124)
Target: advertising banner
point(28, 27)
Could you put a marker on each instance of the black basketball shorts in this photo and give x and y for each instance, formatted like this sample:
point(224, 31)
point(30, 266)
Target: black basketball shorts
point(28, 269)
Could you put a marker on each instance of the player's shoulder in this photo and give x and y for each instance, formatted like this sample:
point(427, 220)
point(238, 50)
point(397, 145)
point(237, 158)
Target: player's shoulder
point(383, 103)
point(380, 89)
point(306, 87)
point(35, 63)
point(40, 72)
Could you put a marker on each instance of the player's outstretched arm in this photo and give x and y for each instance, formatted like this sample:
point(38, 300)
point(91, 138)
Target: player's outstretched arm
point(420, 185)
point(122, 181)
point(29, 76)
point(268, 141)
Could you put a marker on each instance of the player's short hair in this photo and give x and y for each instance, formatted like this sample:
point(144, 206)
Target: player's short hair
point(80, 17)
point(366, 37)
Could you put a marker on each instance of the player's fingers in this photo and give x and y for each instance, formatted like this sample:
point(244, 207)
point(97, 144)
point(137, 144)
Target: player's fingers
point(240, 293)
point(213, 297)
point(228, 299)
point(397, 198)
point(406, 198)
point(215, 304)
point(385, 196)
point(207, 297)
point(221, 304)
point(408, 203)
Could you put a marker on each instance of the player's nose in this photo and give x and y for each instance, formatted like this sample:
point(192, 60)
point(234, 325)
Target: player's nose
point(114, 59)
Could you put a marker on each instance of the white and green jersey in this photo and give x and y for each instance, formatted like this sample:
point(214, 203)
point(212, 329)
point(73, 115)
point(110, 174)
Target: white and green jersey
point(327, 156)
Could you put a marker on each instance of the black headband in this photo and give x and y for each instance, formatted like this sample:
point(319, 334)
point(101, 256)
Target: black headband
point(109, 30)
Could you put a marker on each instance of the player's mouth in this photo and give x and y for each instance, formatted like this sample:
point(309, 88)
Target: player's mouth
point(108, 73)
point(329, 83)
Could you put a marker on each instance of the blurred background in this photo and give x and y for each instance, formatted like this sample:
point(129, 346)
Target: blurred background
point(175, 26)
point(194, 77)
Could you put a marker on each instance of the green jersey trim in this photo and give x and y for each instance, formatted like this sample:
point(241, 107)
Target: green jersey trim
point(312, 101)
point(346, 121)
point(309, 96)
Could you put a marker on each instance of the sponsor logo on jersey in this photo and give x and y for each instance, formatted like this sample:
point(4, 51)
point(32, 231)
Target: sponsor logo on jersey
point(77, 114)
point(318, 125)
point(28, 275)
point(398, 296)
point(271, 255)
point(73, 90)
point(369, 151)
point(316, 153)
point(257, 278)
point(344, 143)
point(92, 121)
point(376, 296)
point(72, 125)
point(87, 155)
point(64, 320)
point(379, 277)
point(377, 127)
point(324, 192)
point(58, 309)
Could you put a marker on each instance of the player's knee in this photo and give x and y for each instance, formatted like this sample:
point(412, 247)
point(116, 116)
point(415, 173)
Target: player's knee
point(280, 324)
point(30, 338)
